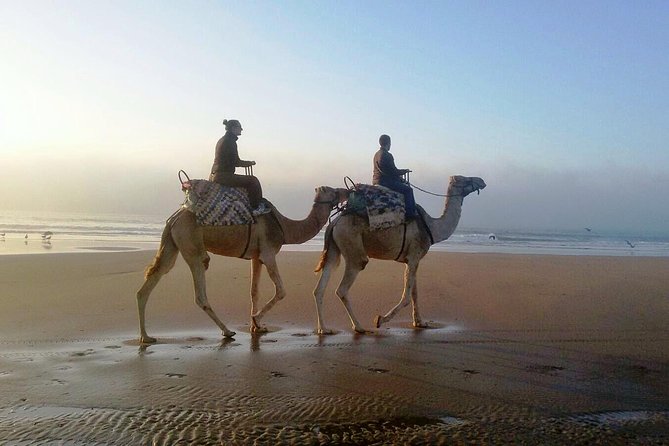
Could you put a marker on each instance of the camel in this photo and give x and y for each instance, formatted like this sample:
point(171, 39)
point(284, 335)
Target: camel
point(349, 236)
point(259, 242)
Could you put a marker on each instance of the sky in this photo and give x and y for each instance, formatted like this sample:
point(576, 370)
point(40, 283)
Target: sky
point(561, 107)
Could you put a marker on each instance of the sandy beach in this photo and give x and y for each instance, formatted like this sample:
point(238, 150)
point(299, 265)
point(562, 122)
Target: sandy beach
point(520, 349)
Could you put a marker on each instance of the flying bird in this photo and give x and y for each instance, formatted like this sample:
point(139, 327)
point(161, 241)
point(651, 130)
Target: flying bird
point(629, 243)
point(588, 229)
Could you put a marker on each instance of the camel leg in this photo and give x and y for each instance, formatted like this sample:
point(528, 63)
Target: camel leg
point(279, 290)
point(409, 283)
point(165, 260)
point(417, 322)
point(319, 291)
point(256, 270)
point(198, 264)
point(350, 274)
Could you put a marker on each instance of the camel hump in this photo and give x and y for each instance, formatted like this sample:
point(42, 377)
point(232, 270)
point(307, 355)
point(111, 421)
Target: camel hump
point(216, 205)
point(383, 206)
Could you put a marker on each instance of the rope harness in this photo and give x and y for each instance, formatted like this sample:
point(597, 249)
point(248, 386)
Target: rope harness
point(478, 191)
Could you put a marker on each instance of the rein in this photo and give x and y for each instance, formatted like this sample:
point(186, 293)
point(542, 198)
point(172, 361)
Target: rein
point(478, 191)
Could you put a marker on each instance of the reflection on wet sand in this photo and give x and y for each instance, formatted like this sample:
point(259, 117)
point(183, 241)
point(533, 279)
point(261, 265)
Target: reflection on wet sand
point(520, 349)
point(437, 387)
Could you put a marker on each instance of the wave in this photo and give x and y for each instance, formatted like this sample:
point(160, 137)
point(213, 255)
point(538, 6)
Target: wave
point(107, 227)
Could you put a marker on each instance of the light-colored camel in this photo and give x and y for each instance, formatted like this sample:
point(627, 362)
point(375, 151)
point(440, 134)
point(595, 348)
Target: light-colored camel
point(349, 236)
point(259, 242)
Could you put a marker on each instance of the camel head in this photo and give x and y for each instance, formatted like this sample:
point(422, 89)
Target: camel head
point(463, 186)
point(333, 196)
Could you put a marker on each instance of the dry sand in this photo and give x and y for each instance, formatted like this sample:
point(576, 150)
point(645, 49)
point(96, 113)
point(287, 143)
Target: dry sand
point(523, 349)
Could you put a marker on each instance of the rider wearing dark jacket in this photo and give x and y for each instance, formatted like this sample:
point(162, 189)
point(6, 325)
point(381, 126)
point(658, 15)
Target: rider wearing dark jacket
point(227, 159)
point(386, 174)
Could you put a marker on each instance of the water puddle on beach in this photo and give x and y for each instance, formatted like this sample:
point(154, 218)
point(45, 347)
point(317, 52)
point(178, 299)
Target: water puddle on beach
point(612, 419)
point(40, 412)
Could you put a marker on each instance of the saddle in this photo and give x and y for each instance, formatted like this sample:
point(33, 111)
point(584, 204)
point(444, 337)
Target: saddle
point(216, 205)
point(382, 206)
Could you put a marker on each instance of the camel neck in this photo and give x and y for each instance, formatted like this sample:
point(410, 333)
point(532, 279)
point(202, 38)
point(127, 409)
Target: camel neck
point(300, 231)
point(444, 226)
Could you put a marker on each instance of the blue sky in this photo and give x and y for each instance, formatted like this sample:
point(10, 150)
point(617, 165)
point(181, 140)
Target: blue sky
point(562, 107)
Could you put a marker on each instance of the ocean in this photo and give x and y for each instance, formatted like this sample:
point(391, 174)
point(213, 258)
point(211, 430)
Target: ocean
point(74, 232)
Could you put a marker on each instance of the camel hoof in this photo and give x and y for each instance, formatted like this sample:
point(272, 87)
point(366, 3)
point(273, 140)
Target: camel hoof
point(229, 334)
point(377, 322)
point(325, 332)
point(147, 340)
point(258, 329)
point(361, 331)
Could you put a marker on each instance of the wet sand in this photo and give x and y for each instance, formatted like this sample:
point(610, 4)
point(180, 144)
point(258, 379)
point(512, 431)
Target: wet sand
point(521, 349)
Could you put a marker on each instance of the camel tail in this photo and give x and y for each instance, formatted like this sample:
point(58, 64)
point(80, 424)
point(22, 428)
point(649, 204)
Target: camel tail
point(165, 241)
point(327, 249)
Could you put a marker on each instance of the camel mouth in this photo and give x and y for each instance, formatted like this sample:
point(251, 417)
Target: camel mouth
point(478, 184)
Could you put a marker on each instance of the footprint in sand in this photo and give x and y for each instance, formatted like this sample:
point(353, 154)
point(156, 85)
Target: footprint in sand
point(84, 353)
point(543, 369)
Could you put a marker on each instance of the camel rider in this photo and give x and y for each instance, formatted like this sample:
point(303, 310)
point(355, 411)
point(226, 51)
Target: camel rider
point(386, 174)
point(227, 159)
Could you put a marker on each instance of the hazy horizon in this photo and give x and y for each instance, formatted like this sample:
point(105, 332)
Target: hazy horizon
point(562, 108)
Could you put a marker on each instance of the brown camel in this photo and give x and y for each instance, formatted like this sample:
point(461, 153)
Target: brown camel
point(259, 243)
point(350, 236)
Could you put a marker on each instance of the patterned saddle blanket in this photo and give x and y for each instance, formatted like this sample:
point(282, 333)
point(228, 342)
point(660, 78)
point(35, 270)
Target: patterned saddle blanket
point(217, 205)
point(383, 206)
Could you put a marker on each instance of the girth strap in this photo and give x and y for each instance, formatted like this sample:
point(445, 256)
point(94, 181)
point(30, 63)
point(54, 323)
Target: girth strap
point(248, 240)
point(404, 239)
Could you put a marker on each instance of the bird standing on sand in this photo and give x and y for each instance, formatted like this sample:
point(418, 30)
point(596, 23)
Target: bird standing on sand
point(47, 235)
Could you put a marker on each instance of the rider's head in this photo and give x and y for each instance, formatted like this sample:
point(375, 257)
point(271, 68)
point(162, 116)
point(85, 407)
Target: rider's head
point(384, 141)
point(232, 125)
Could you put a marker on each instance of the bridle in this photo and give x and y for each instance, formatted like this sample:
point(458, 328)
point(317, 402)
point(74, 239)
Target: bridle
point(333, 203)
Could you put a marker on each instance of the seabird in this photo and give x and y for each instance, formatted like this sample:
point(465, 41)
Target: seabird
point(629, 243)
point(492, 237)
point(47, 235)
point(588, 229)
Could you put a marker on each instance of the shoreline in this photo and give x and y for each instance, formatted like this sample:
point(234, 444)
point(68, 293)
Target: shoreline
point(17, 246)
point(522, 348)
